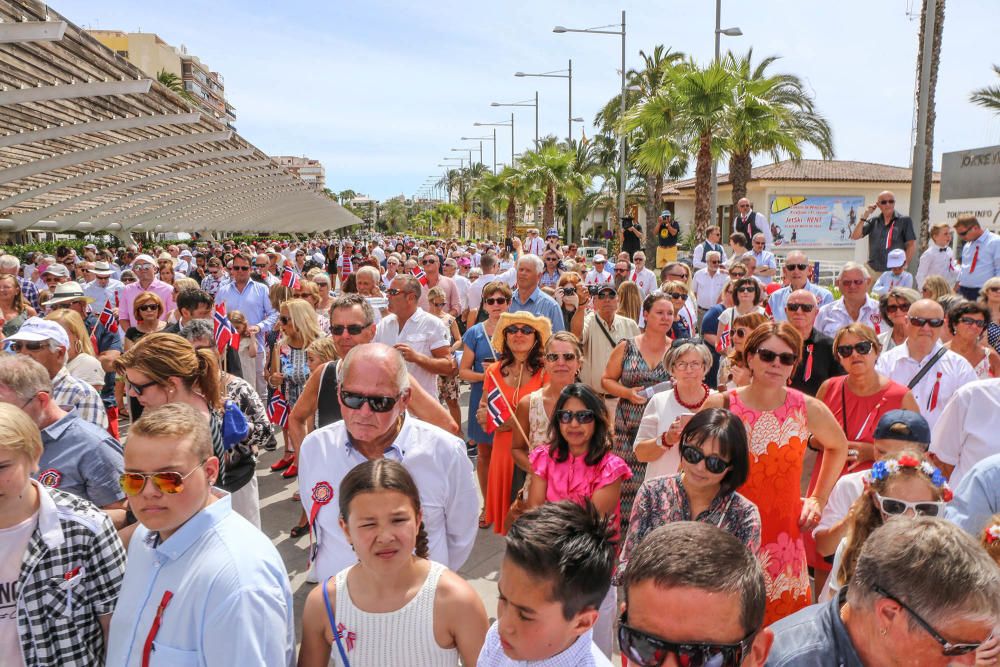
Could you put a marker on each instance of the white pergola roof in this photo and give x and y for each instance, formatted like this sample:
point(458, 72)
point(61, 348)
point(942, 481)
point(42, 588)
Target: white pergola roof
point(88, 142)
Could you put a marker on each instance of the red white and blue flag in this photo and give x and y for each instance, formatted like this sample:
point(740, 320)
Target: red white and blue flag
point(497, 409)
point(290, 279)
point(107, 317)
point(225, 333)
point(277, 409)
point(421, 276)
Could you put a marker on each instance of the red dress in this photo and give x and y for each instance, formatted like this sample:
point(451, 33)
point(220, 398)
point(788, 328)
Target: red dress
point(501, 474)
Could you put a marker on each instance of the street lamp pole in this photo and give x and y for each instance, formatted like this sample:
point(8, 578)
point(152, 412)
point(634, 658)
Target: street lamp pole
point(510, 125)
point(719, 32)
point(486, 138)
point(526, 103)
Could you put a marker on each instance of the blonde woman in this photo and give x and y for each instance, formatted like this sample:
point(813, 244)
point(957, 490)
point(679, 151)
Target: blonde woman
point(14, 309)
point(630, 301)
point(447, 385)
point(82, 363)
point(146, 310)
point(936, 287)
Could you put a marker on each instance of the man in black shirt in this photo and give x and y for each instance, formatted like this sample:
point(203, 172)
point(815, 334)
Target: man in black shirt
point(818, 362)
point(886, 231)
point(666, 233)
point(631, 236)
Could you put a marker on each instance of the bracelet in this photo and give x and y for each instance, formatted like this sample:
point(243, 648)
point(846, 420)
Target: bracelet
point(663, 441)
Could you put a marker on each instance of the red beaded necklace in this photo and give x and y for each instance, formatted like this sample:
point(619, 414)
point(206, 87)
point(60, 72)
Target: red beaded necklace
point(694, 406)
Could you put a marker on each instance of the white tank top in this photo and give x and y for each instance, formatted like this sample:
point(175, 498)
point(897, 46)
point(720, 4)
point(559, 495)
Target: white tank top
point(538, 421)
point(401, 637)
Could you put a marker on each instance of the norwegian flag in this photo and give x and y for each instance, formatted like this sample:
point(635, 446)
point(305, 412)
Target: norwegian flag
point(497, 410)
point(225, 333)
point(277, 409)
point(108, 318)
point(725, 341)
point(290, 279)
point(421, 276)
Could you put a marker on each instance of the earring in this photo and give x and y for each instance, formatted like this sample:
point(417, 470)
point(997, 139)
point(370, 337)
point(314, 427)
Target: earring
point(883, 632)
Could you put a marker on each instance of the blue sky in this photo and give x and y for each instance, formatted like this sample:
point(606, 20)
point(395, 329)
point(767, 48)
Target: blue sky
point(379, 91)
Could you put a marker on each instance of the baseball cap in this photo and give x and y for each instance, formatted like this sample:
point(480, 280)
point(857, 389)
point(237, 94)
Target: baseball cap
point(599, 258)
point(143, 258)
point(665, 214)
point(552, 232)
point(37, 329)
point(896, 258)
point(904, 425)
point(56, 270)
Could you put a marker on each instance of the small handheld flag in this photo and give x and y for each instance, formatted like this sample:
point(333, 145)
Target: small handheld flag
point(225, 332)
point(277, 409)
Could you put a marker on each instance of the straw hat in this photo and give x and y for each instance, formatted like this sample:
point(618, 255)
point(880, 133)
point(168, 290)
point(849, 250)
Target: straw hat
point(541, 325)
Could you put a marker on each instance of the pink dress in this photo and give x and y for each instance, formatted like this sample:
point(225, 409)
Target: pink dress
point(574, 480)
point(777, 448)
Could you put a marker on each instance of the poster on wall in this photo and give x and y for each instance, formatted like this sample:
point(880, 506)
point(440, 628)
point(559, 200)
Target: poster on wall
point(805, 221)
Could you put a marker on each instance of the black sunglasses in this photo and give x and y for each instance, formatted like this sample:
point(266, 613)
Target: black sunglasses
point(947, 648)
point(240, 268)
point(139, 388)
point(148, 307)
point(496, 301)
point(892, 308)
point(713, 463)
point(285, 319)
point(796, 307)
point(746, 289)
point(648, 650)
point(33, 345)
point(428, 261)
point(376, 403)
point(736, 275)
point(971, 321)
point(581, 416)
point(796, 267)
point(883, 202)
point(767, 356)
point(607, 294)
point(678, 295)
point(934, 322)
point(864, 347)
point(393, 291)
point(553, 357)
point(353, 329)
point(525, 329)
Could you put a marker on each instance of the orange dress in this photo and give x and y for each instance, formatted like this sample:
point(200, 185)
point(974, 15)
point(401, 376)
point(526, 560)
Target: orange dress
point(777, 448)
point(501, 474)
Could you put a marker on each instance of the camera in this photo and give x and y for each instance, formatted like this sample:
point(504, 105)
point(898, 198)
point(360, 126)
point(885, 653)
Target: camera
point(593, 289)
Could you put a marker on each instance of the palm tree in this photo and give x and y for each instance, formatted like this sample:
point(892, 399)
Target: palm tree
point(174, 83)
point(923, 208)
point(549, 168)
point(988, 97)
point(507, 190)
point(346, 195)
point(446, 212)
point(768, 113)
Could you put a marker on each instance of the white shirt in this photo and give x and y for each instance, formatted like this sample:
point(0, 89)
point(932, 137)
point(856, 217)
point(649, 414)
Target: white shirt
point(645, 280)
point(707, 288)
point(888, 280)
point(778, 300)
point(966, 431)
point(463, 284)
point(847, 489)
point(762, 226)
point(435, 459)
point(938, 261)
point(581, 653)
point(534, 246)
point(474, 297)
point(595, 278)
point(102, 295)
point(13, 544)
point(834, 315)
point(950, 372)
point(659, 414)
point(424, 333)
point(765, 259)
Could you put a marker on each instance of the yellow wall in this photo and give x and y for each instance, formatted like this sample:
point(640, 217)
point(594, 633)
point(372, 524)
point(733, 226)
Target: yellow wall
point(145, 50)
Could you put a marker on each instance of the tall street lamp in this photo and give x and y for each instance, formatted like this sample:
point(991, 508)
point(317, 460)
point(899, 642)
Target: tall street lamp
point(603, 30)
point(526, 103)
point(555, 74)
point(481, 140)
point(719, 32)
point(463, 150)
point(510, 125)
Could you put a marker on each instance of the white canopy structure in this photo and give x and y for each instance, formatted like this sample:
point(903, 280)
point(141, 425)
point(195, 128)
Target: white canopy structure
point(88, 142)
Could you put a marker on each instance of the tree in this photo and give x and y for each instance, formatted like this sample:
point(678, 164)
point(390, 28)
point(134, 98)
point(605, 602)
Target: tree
point(505, 191)
point(393, 216)
point(924, 207)
point(174, 83)
point(550, 167)
point(346, 195)
point(446, 212)
point(768, 113)
point(988, 97)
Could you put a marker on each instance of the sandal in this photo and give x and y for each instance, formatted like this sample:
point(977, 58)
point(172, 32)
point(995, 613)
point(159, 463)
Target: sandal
point(298, 531)
point(296, 497)
point(483, 523)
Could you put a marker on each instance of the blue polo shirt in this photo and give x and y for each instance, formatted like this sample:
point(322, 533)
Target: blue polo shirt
point(81, 458)
point(539, 303)
point(977, 497)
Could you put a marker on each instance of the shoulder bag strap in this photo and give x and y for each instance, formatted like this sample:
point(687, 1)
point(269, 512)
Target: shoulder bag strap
point(333, 623)
point(604, 330)
point(843, 407)
point(926, 368)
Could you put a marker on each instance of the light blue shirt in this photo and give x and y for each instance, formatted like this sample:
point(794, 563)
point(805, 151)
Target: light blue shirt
point(987, 262)
point(977, 497)
point(231, 604)
point(889, 280)
point(254, 302)
point(102, 295)
point(539, 303)
point(778, 300)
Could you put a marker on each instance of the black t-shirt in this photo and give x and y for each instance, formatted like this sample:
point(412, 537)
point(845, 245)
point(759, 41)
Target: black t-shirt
point(632, 243)
point(666, 238)
point(901, 227)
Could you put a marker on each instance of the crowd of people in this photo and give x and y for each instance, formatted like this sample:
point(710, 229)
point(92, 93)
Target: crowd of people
point(709, 461)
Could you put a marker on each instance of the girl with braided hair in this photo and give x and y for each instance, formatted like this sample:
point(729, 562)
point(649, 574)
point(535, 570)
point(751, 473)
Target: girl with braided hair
point(395, 606)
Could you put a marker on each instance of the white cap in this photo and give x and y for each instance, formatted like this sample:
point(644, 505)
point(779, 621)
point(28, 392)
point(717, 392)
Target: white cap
point(143, 258)
point(599, 258)
point(37, 329)
point(896, 258)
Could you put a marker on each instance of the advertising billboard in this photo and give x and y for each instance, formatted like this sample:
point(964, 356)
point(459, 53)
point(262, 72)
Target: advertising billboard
point(807, 221)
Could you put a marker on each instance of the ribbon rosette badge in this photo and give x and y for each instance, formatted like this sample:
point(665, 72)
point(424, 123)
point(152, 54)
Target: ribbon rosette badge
point(322, 493)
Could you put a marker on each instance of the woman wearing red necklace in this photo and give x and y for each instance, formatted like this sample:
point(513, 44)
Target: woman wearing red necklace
point(659, 431)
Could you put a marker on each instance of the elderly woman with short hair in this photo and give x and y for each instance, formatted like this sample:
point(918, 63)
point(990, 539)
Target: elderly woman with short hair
point(894, 305)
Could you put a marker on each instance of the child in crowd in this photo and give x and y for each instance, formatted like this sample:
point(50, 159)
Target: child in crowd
point(248, 346)
point(939, 258)
point(554, 575)
point(896, 276)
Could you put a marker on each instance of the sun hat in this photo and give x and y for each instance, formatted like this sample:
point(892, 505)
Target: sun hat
point(68, 291)
point(102, 269)
point(541, 325)
point(56, 270)
point(38, 329)
point(598, 258)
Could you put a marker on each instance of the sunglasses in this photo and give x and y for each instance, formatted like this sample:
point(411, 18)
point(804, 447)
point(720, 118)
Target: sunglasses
point(973, 322)
point(496, 301)
point(796, 307)
point(525, 329)
point(376, 403)
point(678, 295)
point(128, 281)
point(607, 294)
point(736, 275)
point(240, 268)
point(285, 319)
point(895, 506)
point(551, 259)
point(862, 348)
point(352, 329)
point(740, 333)
point(137, 389)
point(648, 650)
point(580, 416)
point(621, 270)
point(852, 283)
point(746, 289)
point(883, 202)
point(947, 648)
point(142, 267)
point(768, 356)
point(902, 307)
point(796, 267)
point(132, 483)
point(919, 322)
point(428, 261)
point(262, 266)
point(438, 304)
point(148, 307)
point(677, 276)
point(392, 291)
point(694, 456)
point(962, 232)
point(553, 357)
point(32, 345)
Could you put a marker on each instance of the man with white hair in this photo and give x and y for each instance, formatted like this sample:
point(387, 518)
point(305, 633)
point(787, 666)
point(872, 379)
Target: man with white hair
point(9, 266)
point(766, 266)
point(528, 295)
point(708, 283)
point(854, 305)
point(644, 279)
point(599, 275)
point(798, 276)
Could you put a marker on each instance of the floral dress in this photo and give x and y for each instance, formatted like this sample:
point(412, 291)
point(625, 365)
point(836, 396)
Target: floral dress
point(294, 365)
point(448, 385)
point(635, 373)
point(777, 447)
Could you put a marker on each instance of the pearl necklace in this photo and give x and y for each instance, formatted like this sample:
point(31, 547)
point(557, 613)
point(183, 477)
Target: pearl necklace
point(694, 406)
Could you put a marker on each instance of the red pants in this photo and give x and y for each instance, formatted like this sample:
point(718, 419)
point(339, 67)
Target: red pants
point(113, 422)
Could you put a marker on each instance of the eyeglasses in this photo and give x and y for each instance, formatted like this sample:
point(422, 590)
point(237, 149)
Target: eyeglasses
point(947, 648)
point(883, 202)
point(262, 266)
point(740, 333)
point(896, 506)
point(692, 365)
point(919, 322)
point(580, 416)
point(352, 329)
point(148, 307)
point(392, 291)
point(852, 283)
point(496, 301)
point(972, 322)
point(31, 345)
point(141, 267)
point(607, 294)
point(553, 357)
point(862, 348)
point(240, 268)
point(438, 304)
point(376, 403)
point(678, 295)
point(551, 259)
point(962, 232)
point(893, 307)
point(128, 281)
point(736, 275)
point(694, 456)
point(768, 356)
point(746, 289)
point(796, 267)
point(137, 389)
point(525, 329)
point(132, 483)
point(648, 650)
point(796, 307)
point(425, 262)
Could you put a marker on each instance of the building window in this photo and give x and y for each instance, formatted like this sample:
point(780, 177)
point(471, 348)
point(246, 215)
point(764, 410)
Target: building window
point(123, 54)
